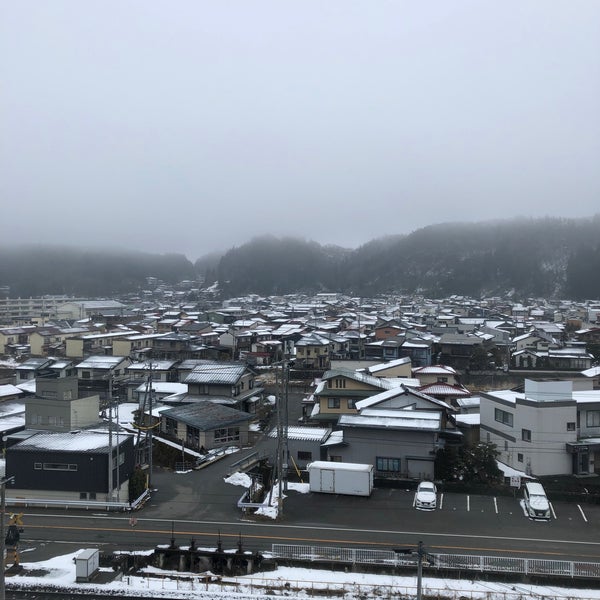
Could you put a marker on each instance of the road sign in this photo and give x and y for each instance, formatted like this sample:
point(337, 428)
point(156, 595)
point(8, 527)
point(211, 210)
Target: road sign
point(515, 481)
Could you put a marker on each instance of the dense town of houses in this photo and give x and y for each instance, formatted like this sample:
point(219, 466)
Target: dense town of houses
point(390, 382)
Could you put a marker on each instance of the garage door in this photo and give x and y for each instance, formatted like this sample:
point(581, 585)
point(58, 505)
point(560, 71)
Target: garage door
point(420, 468)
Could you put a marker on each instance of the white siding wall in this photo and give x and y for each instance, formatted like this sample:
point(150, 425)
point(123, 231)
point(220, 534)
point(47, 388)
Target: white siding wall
point(546, 453)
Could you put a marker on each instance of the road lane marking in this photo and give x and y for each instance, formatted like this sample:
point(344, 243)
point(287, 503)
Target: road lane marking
point(311, 528)
point(496, 504)
point(311, 540)
point(441, 501)
point(468, 503)
point(552, 509)
point(582, 513)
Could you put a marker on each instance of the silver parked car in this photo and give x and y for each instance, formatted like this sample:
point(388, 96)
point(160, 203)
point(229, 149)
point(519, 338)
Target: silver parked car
point(426, 496)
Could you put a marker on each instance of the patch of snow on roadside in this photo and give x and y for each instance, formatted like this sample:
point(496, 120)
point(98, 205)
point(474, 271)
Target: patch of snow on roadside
point(239, 479)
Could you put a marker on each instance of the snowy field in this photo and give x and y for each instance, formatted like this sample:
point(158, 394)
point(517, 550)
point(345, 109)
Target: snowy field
point(59, 574)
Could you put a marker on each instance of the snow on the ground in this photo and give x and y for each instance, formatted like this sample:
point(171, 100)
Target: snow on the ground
point(242, 479)
point(294, 582)
point(510, 472)
point(270, 505)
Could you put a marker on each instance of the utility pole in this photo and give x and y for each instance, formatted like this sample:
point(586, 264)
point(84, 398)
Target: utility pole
point(279, 461)
point(3, 483)
point(286, 381)
point(281, 385)
point(110, 442)
point(151, 429)
point(420, 553)
point(118, 450)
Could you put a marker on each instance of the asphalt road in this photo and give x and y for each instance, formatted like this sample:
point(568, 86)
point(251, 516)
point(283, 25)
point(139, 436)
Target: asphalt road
point(200, 505)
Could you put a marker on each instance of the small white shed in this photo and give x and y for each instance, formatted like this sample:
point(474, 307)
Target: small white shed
point(87, 563)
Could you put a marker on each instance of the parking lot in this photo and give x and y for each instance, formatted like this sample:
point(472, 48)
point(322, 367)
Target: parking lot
point(455, 514)
point(505, 506)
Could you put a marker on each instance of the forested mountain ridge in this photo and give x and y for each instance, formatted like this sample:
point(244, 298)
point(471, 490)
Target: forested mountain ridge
point(532, 257)
point(539, 257)
point(39, 270)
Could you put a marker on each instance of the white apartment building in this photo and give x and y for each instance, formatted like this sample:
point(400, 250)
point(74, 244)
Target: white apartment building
point(546, 430)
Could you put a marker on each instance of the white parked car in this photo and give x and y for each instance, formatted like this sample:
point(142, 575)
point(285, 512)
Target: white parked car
point(536, 501)
point(426, 496)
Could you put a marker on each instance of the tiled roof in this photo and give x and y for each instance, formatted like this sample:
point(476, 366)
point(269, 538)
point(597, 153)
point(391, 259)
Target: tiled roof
point(217, 373)
point(207, 415)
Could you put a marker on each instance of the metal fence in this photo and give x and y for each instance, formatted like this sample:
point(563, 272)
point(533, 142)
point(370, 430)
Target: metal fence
point(458, 562)
point(258, 587)
point(82, 504)
point(351, 555)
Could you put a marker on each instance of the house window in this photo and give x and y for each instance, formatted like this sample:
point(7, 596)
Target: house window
point(170, 426)
point(388, 465)
point(85, 375)
point(193, 436)
point(303, 455)
point(351, 403)
point(37, 466)
point(227, 434)
point(592, 418)
point(442, 380)
point(505, 446)
point(333, 402)
point(501, 416)
point(83, 495)
point(339, 383)
point(571, 426)
point(59, 467)
point(335, 459)
point(519, 457)
point(526, 435)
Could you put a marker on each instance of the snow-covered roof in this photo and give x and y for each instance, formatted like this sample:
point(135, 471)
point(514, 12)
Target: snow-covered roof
point(444, 389)
point(100, 362)
point(9, 390)
point(164, 387)
point(217, 373)
point(472, 419)
point(74, 441)
point(339, 466)
point(157, 365)
point(587, 396)
point(468, 402)
point(379, 382)
point(393, 419)
point(335, 439)
point(434, 370)
point(389, 365)
point(317, 434)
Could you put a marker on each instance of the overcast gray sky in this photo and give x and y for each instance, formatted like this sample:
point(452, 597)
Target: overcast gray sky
point(190, 126)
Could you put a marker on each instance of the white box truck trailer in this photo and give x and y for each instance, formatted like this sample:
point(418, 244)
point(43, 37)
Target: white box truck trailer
point(340, 478)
